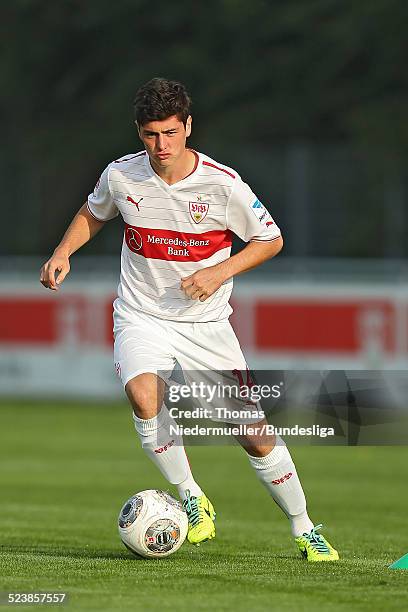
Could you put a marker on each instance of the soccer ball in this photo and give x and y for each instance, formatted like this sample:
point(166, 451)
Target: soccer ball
point(152, 524)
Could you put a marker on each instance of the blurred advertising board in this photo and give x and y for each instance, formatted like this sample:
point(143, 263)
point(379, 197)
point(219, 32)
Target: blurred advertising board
point(56, 344)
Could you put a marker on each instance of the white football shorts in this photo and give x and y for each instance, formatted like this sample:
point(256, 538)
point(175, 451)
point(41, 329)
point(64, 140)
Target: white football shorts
point(207, 351)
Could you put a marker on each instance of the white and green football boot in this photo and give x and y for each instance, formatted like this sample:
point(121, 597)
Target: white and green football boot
point(201, 516)
point(314, 547)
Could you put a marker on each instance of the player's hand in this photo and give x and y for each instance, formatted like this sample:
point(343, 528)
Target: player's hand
point(54, 271)
point(202, 284)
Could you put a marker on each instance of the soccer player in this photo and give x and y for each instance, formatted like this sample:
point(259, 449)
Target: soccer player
point(179, 208)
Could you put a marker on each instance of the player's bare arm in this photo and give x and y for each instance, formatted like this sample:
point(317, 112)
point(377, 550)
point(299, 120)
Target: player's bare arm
point(82, 228)
point(202, 284)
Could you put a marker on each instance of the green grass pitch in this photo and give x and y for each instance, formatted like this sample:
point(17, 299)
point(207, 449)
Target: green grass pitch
point(67, 468)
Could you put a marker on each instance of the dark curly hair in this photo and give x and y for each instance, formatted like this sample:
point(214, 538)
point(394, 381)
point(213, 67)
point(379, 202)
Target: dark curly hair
point(159, 99)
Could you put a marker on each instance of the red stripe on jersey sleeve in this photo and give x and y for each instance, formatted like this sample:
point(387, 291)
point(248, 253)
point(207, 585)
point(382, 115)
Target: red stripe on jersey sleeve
point(175, 246)
point(218, 168)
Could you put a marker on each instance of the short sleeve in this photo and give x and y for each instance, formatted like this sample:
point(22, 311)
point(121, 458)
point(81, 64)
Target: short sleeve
point(100, 202)
point(247, 217)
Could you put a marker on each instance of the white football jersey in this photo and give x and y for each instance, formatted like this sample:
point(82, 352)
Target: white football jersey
point(171, 231)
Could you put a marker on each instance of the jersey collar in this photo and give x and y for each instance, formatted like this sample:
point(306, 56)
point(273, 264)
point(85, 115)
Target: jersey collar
point(179, 183)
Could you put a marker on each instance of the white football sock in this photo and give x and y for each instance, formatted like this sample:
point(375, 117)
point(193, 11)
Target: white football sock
point(278, 474)
point(166, 450)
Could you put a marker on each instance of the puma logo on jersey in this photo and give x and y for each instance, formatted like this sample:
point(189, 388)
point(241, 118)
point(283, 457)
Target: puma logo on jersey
point(129, 199)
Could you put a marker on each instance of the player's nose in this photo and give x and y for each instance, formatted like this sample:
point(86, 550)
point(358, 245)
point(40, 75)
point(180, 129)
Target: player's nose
point(160, 142)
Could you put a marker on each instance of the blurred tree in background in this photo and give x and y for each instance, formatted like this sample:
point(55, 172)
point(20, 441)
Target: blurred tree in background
point(273, 84)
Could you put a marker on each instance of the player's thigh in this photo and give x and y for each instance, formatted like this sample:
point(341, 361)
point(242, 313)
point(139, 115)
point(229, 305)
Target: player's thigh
point(146, 393)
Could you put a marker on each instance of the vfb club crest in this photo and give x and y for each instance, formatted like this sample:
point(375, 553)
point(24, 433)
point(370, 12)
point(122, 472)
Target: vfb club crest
point(198, 211)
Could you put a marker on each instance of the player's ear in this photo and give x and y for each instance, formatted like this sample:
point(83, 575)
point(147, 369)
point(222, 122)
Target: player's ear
point(188, 125)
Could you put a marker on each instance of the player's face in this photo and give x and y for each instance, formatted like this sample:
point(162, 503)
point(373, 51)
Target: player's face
point(165, 141)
